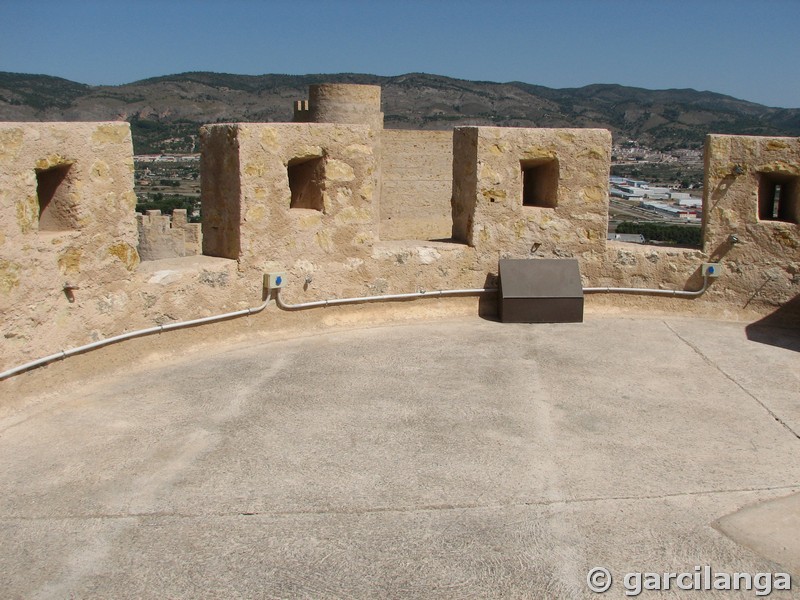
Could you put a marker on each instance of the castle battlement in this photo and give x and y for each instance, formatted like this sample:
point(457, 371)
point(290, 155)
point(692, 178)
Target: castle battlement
point(347, 208)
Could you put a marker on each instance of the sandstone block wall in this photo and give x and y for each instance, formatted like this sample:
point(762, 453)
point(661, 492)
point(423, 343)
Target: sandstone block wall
point(417, 176)
point(305, 198)
point(345, 104)
point(284, 170)
point(67, 219)
point(168, 236)
point(741, 174)
point(220, 191)
point(516, 190)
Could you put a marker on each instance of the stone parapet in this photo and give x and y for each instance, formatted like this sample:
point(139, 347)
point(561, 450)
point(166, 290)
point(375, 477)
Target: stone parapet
point(67, 221)
point(417, 184)
point(752, 215)
point(515, 189)
point(306, 199)
point(168, 236)
point(345, 104)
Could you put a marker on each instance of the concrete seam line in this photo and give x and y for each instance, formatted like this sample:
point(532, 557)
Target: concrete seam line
point(711, 363)
point(794, 488)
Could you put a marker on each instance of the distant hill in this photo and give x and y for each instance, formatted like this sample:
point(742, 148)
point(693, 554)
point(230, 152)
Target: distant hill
point(165, 112)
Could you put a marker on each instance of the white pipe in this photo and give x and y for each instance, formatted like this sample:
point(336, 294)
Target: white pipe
point(131, 334)
point(657, 292)
point(337, 301)
point(588, 290)
point(334, 302)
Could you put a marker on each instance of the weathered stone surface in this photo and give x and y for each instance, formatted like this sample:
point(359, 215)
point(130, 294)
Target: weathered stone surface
point(268, 227)
point(168, 236)
point(333, 246)
point(735, 168)
point(416, 184)
point(80, 177)
point(489, 209)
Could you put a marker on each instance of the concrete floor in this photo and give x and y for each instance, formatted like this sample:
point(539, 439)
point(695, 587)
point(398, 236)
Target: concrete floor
point(450, 459)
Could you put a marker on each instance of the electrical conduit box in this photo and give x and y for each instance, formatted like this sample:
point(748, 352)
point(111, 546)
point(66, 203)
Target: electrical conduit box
point(274, 280)
point(711, 270)
point(540, 290)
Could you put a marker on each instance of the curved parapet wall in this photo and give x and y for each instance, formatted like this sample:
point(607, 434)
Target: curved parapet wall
point(345, 103)
point(305, 199)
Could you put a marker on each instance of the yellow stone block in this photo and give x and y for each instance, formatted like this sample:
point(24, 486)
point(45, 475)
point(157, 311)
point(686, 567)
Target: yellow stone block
point(351, 214)
point(269, 139)
point(9, 275)
point(10, 142)
point(337, 170)
point(536, 153)
point(494, 194)
point(594, 193)
point(323, 240)
point(566, 136)
point(53, 160)
point(70, 261)
point(366, 192)
point(358, 150)
point(111, 133)
point(254, 169)
point(100, 170)
point(125, 253)
point(311, 220)
point(593, 153)
point(28, 214)
point(364, 237)
point(256, 213)
point(777, 145)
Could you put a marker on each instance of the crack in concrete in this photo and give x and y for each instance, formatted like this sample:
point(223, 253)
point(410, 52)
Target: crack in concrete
point(794, 488)
point(711, 363)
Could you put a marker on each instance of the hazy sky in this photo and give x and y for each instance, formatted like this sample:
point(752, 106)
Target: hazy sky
point(747, 49)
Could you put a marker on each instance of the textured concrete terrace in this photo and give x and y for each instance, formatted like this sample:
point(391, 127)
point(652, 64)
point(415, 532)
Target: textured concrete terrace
point(449, 459)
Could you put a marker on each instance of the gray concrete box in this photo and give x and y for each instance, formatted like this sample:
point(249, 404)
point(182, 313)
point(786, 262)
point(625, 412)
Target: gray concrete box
point(540, 291)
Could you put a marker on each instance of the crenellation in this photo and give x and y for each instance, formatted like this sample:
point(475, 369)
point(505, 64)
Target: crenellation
point(347, 208)
point(531, 186)
point(301, 112)
point(165, 236)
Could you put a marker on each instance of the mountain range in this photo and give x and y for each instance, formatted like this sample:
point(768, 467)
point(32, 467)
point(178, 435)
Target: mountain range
point(166, 112)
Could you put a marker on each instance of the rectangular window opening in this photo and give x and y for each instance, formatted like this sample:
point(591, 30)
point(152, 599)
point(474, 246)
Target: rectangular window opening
point(56, 209)
point(307, 183)
point(540, 182)
point(779, 197)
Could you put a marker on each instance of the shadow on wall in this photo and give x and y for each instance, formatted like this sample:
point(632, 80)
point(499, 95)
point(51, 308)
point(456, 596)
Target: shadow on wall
point(780, 328)
point(488, 303)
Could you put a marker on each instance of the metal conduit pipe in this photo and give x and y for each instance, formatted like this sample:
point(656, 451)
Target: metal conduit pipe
point(648, 291)
point(333, 302)
point(336, 301)
point(588, 290)
point(130, 335)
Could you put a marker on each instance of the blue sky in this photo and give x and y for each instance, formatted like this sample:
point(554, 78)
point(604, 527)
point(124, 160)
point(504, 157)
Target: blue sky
point(747, 49)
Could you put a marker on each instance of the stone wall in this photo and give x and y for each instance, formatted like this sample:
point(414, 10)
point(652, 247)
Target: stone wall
point(519, 189)
point(67, 221)
point(346, 104)
point(274, 225)
point(741, 173)
point(220, 191)
point(417, 183)
point(168, 236)
point(304, 198)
